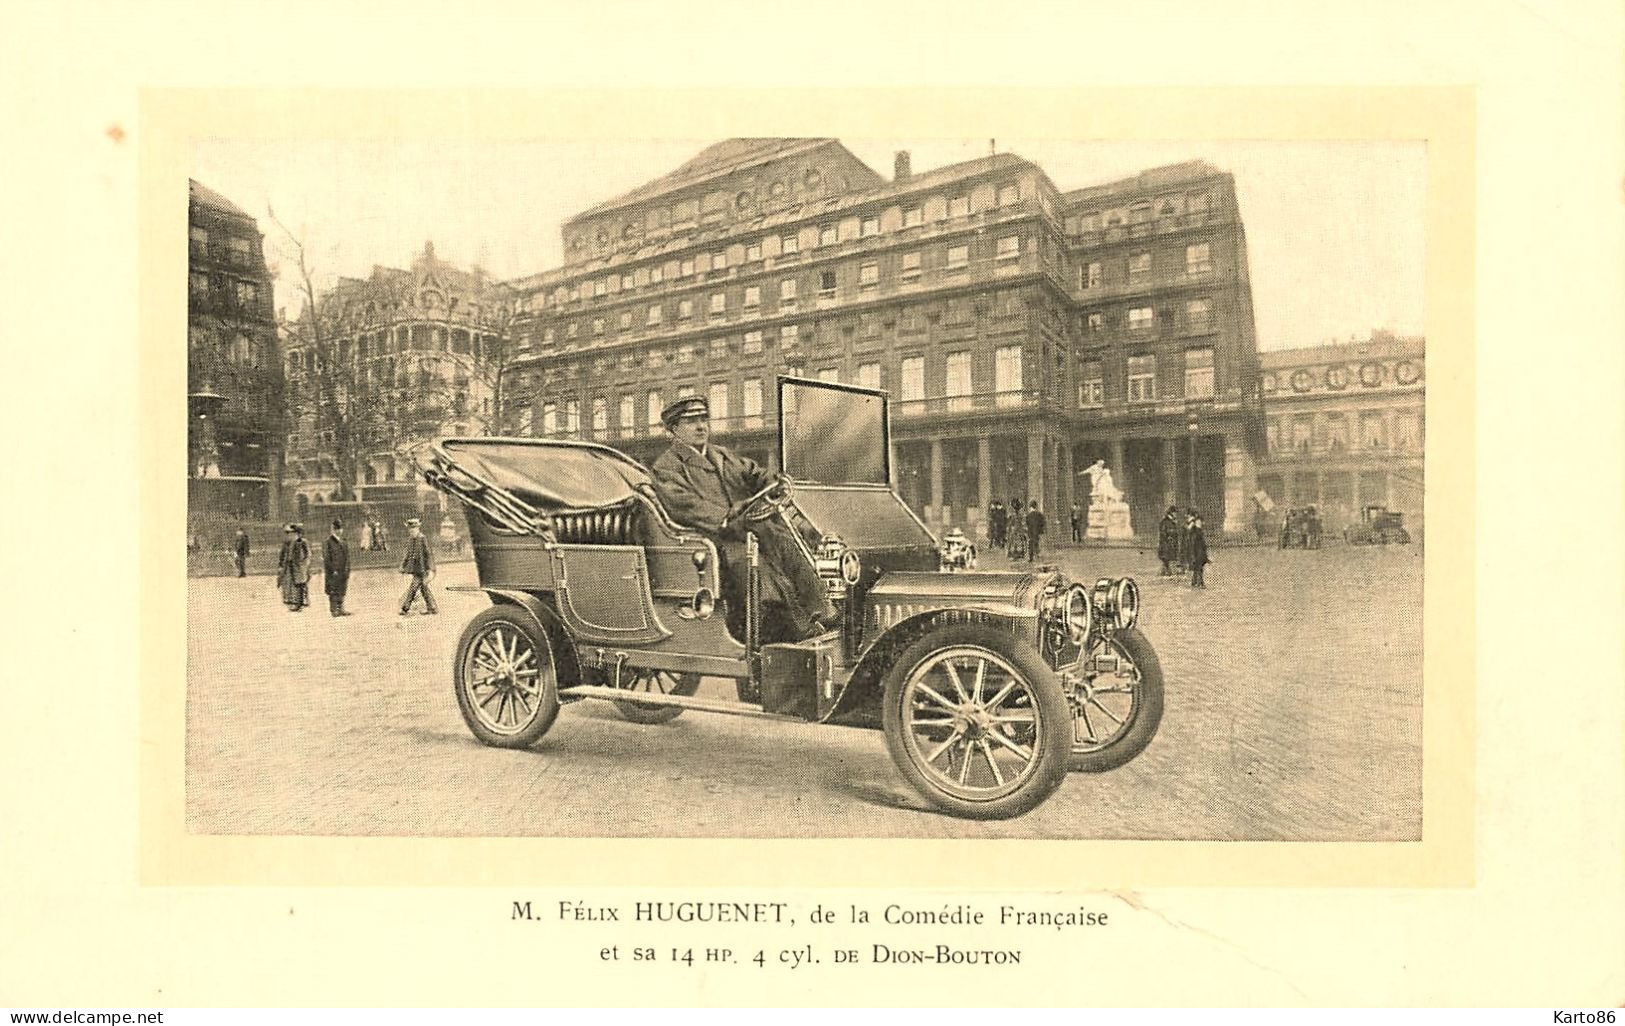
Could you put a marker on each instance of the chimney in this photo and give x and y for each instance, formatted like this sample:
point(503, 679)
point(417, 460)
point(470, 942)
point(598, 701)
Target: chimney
point(900, 167)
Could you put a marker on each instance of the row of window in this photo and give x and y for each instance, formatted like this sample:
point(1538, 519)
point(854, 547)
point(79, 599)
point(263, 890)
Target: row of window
point(957, 381)
point(237, 250)
point(1339, 432)
point(1338, 377)
point(237, 348)
point(1139, 268)
point(1172, 204)
point(1140, 379)
point(864, 276)
point(690, 213)
point(207, 285)
point(410, 337)
point(1143, 320)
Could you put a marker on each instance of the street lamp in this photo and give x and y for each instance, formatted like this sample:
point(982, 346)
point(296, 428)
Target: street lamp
point(1191, 426)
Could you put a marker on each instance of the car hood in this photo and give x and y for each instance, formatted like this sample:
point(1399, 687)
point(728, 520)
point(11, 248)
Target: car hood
point(1008, 589)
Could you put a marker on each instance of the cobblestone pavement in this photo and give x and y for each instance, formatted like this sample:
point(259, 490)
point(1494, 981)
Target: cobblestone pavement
point(1293, 711)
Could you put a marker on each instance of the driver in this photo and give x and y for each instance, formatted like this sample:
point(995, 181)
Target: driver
point(702, 486)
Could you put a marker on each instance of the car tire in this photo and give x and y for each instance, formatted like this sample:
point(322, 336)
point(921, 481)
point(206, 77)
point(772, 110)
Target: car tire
point(920, 690)
point(505, 678)
point(1141, 718)
point(663, 682)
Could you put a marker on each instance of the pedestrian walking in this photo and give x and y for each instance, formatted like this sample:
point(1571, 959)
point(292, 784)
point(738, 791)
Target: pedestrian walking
point(997, 522)
point(1199, 558)
point(239, 552)
point(293, 568)
point(1168, 534)
point(336, 569)
point(1184, 563)
point(419, 563)
point(1077, 523)
point(1035, 530)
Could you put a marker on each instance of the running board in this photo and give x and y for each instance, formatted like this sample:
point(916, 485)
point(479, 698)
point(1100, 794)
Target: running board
point(713, 705)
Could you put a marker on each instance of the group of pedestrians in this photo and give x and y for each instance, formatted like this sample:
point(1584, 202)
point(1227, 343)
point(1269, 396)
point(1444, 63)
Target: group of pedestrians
point(294, 567)
point(1181, 542)
point(1018, 528)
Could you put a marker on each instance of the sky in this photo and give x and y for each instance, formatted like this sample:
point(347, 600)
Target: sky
point(1335, 238)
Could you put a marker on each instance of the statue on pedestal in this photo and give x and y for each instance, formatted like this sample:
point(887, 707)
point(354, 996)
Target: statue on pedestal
point(1108, 514)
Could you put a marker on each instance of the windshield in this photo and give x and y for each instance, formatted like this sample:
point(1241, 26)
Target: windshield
point(833, 434)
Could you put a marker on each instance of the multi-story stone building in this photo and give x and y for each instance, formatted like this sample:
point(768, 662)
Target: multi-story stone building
point(234, 370)
point(387, 361)
point(1344, 427)
point(1021, 331)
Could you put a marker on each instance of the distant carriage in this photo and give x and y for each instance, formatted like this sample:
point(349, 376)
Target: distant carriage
point(1378, 525)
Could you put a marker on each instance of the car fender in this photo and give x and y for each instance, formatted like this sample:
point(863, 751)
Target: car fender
point(566, 664)
point(858, 704)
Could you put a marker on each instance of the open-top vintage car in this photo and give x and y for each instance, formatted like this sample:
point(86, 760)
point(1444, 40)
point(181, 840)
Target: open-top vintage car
point(988, 686)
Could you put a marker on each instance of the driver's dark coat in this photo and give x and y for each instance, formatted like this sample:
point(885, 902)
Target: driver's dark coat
point(698, 491)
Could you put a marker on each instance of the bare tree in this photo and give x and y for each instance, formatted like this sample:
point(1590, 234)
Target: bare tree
point(329, 393)
point(510, 412)
point(363, 403)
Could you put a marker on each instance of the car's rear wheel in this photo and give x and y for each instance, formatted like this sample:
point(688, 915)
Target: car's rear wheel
point(655, 682)
point(507, 687)
point(1117, 708)
point(976, 721)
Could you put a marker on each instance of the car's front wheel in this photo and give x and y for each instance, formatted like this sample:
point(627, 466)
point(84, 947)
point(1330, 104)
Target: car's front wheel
point(506, 685)
point(977, 722)
point(1117, 706)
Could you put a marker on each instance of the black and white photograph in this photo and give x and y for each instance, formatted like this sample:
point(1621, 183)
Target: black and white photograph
point(789, 487)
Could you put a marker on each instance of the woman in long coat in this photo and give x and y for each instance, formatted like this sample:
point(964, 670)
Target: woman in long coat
point(293, 569)
point(1168, 540)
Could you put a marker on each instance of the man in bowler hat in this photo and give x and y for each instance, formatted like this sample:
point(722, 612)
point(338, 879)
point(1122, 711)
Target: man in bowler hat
point(1035, 530)
point(336, 569)
point(703, 486)
point(419, 563)
point(239, 552)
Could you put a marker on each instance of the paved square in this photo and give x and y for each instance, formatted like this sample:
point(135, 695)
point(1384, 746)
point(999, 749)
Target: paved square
point(1294, 711)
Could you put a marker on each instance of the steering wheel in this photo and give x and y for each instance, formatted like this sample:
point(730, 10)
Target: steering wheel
point(766, 504)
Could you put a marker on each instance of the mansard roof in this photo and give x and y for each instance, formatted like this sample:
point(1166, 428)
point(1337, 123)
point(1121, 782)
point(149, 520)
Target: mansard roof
point(204, 196)
point(713, 162)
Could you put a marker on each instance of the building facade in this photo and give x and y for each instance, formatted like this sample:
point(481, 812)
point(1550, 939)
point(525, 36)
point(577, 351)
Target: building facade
point(234, 366)
point(1345, 426)
point(1021, 331)
point(383, 363)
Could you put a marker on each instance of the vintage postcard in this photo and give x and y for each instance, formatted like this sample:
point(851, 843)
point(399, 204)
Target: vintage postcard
point(603, 544)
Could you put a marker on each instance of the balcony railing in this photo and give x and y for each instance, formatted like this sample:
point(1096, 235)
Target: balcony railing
point(974, 403)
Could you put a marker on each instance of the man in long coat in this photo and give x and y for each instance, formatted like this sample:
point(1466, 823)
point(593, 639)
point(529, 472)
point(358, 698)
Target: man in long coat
point(1035, 530)
point(704, 486)
point(336, 569)
point(996, 516)
point(293, 568)
point(1168, 540)
point(239, 552)
point(419, 563)
point(1198, 552)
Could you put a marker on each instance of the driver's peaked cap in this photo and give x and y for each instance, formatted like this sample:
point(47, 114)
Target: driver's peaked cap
point(688, 406)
